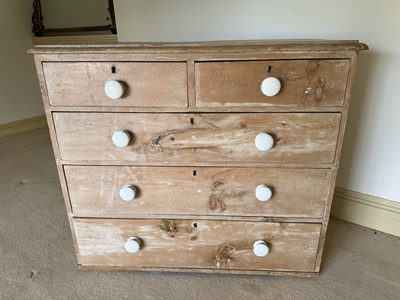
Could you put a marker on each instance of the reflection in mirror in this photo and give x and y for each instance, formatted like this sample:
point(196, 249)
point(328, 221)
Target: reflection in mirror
point(62, 16)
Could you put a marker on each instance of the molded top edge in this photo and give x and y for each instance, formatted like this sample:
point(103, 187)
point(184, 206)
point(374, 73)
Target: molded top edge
point(202, 47)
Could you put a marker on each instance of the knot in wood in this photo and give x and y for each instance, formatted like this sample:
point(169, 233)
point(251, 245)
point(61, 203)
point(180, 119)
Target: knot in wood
point(216, 200)
point(223, 257)
point(217, 183)
point(169, 226)
point(157, 141)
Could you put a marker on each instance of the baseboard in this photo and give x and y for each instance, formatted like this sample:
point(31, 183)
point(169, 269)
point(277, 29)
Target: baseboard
point(366, 210)
point(22, 125)
point(75, 39)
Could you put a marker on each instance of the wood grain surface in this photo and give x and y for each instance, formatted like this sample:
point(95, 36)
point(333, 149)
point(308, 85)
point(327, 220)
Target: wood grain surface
point(94, 190)
point(303, 83)
point(197, 244)
point(196, 138)
point(147, 84)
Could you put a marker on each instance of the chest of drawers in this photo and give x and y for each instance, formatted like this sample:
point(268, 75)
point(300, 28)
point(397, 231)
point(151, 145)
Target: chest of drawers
point(203, 157)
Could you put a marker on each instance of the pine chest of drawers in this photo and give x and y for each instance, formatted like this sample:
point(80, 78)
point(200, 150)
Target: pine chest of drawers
point(211, 157)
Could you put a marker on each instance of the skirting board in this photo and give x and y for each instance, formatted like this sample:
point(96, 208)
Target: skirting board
point(368, 211)
point(22, 125)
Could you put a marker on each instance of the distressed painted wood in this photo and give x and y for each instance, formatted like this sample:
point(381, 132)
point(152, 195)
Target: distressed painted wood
point(198, 244)
point(303, 83)
point(197, 107)
point(94, 190)
point(147, 84)
point(194, 138)
point(245, 46)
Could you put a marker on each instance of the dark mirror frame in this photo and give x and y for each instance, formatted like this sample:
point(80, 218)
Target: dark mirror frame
point(39, 29)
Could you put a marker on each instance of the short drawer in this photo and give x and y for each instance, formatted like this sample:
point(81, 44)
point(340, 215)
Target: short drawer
point(145, 84)
point(304, 83)
point(135, 191)
point(196, 244)
point(189, 139)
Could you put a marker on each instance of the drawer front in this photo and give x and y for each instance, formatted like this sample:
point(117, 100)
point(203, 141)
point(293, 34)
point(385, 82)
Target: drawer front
point(198, 244)
point(198, 138)
point(304, 83)
point(147, 84)
point(95, 190)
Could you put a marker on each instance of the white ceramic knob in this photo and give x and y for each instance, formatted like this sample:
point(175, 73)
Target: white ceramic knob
point(127, 192)
point(114, 89)
point(270, 86)
point(264, 141)
point(263, 193)
point(132, 245)
point(260, 248)
point(121, 138)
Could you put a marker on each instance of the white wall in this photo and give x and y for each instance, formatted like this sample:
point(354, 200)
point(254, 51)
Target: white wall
point(370, 161)
point(19, 90)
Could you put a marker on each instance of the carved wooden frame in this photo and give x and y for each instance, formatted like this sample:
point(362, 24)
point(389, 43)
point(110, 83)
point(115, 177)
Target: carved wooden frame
point(39, 29)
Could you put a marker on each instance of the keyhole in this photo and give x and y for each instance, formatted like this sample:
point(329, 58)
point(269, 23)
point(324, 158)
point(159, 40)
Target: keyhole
point(192, 121)
point(269, 69)
point(194, 225)
point(194, 173)
point(113, 69)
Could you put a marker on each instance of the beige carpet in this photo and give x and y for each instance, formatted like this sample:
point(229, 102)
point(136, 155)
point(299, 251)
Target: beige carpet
point(37, 259)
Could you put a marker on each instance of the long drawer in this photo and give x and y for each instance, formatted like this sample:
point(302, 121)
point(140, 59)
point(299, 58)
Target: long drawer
point(146, 84)
point(303, 83)
point(205, 244)
point(305, 138)
point(96, 191)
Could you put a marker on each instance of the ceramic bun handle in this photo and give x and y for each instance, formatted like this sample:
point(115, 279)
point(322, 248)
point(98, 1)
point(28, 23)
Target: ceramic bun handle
point(263, 141)
point(127, 192)
point(132, 245)
point(263, 192)
point(260, 248)
point(121, 138)
point(270, 86)
point(114, 89)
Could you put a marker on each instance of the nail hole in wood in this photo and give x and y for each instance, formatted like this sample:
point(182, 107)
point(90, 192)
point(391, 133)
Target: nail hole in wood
point(192, 121)
point(194, 172)
point(113, 69)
